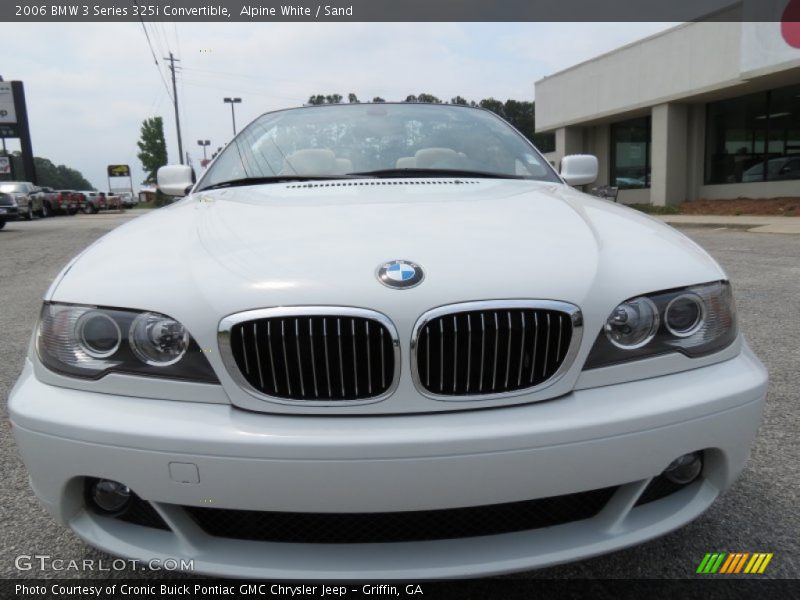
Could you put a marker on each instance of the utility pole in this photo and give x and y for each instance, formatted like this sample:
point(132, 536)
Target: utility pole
point(172, 60)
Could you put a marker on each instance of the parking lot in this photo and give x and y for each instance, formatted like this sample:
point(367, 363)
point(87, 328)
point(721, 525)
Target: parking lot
point(759, 514)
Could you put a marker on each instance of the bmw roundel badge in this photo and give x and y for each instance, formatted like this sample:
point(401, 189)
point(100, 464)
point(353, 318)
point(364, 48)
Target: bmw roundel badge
point(400, 274)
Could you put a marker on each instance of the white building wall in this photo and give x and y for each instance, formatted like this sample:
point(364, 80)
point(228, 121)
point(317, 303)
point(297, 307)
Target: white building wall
point(681, 62)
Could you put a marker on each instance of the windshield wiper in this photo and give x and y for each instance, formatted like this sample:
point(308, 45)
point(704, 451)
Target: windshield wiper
point(273, 179)
point(388, 173)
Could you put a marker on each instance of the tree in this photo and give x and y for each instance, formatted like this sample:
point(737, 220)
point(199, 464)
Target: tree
point(328, 99)
point(378, 99)
point(459, 100)
point(58, 177)
point(493, 105)
point(352, 98)
point(428, 99)
point(152, 147)
point(410, 98)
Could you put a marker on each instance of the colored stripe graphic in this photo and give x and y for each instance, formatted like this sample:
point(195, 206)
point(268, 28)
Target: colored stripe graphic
point(734, 563)
point(727, 564)
point(740, 564)
point(711, 563)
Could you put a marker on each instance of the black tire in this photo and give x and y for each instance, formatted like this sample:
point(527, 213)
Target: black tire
point(72, 212)
point(28, 216)
point(45, 212)
point(2, 224)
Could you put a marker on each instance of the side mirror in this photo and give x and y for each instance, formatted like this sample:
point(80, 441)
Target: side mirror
point(579, 169)
point(175, 180)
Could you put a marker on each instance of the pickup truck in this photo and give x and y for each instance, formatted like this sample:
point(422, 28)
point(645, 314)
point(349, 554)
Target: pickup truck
point(48, 196)
point(29, 200)
point(93, 201)
point(67, 202)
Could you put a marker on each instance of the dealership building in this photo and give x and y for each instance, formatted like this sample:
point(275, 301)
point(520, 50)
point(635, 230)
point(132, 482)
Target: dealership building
point(708, 109)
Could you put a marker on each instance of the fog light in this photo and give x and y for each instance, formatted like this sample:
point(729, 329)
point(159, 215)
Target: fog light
point(109, 496)
point(684, 469)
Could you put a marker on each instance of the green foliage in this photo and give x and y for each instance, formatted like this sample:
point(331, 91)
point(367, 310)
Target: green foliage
point(152, 147)
point(459, 100)
point(352, 98)
point(493, 105)
point(58, 177)
point(378, 99)
point(327, 99)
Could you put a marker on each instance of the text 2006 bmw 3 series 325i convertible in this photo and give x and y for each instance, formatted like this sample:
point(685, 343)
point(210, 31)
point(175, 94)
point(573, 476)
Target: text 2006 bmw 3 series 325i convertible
point(385, 341)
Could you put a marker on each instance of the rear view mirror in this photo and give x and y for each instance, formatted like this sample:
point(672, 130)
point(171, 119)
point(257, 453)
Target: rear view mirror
point(175, 180)
point(579, 169)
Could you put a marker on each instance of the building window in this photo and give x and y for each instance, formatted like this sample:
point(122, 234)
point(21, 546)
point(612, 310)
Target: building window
point(630, 153)
point(754, 138)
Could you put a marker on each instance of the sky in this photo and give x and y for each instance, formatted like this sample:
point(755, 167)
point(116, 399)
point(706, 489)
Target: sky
point(89, 86)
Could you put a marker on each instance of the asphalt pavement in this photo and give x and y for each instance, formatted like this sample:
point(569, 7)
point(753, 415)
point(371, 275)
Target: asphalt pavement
point(758, 514)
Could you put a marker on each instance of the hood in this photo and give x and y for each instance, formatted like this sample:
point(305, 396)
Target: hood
point(220, 252)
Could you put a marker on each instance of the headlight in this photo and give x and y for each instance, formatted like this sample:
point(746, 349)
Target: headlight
point(694, 321)
point(90, 342)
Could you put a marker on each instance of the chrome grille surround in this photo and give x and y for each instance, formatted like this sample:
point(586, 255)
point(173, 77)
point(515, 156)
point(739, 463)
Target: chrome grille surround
point(227, 324)
point(570, 312)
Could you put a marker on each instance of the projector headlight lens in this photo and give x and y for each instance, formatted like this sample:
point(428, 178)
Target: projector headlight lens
point(158, 340)
point(684, 315)
point(98, 334)
point(632, 324)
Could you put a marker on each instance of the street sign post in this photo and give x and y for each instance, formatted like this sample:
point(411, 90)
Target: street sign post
point(117, 171)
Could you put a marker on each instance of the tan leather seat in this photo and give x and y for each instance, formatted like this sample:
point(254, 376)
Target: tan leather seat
point(344, 166)
point(313, 161)
point(406, 162)
point(437, 157)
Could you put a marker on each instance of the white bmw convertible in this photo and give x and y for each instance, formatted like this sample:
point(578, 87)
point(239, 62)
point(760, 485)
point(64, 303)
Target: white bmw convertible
point(385, 341)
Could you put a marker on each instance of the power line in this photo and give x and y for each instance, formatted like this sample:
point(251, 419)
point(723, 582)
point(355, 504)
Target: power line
point(152, 52)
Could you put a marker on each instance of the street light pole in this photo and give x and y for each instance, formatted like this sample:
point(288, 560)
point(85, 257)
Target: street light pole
point(204, 144)
point(232, 101)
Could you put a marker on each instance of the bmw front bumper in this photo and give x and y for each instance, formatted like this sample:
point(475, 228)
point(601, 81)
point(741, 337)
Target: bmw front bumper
point(178, 455)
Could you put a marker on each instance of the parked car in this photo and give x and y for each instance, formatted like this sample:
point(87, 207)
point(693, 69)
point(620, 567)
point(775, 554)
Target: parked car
point(9, 211)
point(385, 341)
point(29, 199)
point(68, 202)
point(93, 201)
point(128, 199)
point(781, 168)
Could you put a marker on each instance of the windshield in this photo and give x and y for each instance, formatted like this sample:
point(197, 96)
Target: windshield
point(10, 188)
point(377, 139)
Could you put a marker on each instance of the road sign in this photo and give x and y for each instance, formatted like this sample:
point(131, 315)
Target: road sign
point(5, 165)
point(8, 112)
point(119, 171)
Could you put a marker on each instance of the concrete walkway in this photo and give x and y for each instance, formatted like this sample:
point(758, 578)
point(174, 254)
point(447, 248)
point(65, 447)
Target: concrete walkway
point(757, 224)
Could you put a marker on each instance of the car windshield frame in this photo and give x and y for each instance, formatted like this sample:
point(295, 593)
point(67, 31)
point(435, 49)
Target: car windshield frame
point(243, 161)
